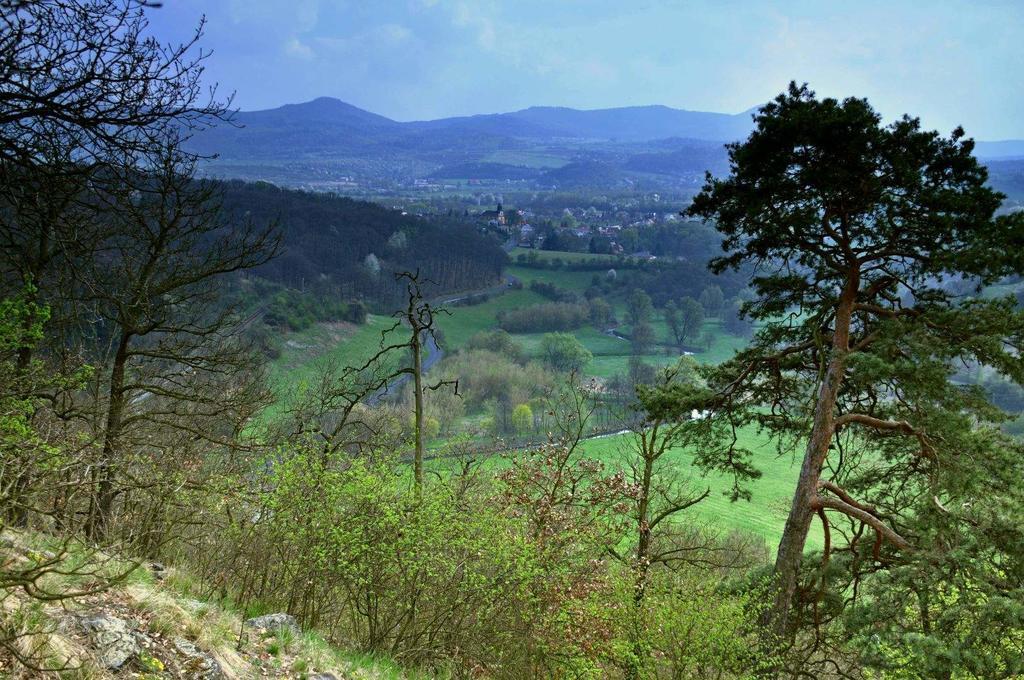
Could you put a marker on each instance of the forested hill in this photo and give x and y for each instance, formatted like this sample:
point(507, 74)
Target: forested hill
point(353, 247)
point(326, 141)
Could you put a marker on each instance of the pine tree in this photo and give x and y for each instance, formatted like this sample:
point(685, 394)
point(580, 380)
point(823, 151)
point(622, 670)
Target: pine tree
point(852, 227)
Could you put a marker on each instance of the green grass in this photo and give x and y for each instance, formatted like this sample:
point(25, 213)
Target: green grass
point(305, 353)
point(611, 354)
point(546, 255)
point(764, 515)
point(529, 159)
point(571, 280)
point(465, 322)
point(348, 344)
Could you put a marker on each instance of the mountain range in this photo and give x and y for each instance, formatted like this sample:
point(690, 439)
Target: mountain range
point(327, 140)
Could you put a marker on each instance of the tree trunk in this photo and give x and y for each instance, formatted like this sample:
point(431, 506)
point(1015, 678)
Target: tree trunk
point(103, 503)
point(642, 564)
point(17, 515)
point(417, 376)
point(801, 514)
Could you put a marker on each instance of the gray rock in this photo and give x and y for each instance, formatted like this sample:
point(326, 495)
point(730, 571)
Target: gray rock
point(113, 638)
point(323, 676)
point(38, 556)
point(198, 663)
point(273, 622)
point(194, 605)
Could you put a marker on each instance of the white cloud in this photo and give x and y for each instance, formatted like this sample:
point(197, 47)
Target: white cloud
point(470, 15)
point(392, 33)
point(294, 47)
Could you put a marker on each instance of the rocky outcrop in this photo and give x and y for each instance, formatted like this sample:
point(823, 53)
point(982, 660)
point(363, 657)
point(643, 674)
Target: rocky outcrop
point(197, 663)
point(273, 623)
point(114, 639)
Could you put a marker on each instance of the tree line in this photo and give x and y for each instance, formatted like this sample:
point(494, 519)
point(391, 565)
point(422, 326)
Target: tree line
point(349, 248)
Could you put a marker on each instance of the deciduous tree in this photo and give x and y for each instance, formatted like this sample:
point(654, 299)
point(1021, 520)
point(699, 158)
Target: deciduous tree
point(639, 307)
point(563, 352)
point(171, 361)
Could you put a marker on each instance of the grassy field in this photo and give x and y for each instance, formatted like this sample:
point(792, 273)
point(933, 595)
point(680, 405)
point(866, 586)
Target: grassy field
point(611, 354)
point(577, 281)
point(529, 159)
point(465, 322)
point(305, 353)
point(764, 515)
point(343, 344)
point(302, 353)
point(547, 255)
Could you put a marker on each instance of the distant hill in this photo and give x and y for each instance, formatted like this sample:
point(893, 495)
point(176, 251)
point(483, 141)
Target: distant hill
point(331, 131)
point(633, 123)
point(327, 140)
point(1007, 175)
point(681, 157)
point(1008, 148)
point(323, 125)
point(582, 174)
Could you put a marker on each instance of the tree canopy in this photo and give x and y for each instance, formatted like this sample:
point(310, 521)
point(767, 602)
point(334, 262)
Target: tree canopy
point(854, 229)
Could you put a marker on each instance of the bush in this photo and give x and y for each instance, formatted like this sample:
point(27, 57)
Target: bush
point(497, 341)
point(486, 375)
point(470, 578)
point(563, 352)
point(442, 577)
point(296, 310)
point(550, 316)
point(553, 292)
point(522, 418)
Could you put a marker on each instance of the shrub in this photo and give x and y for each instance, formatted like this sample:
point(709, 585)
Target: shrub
point(498, 341)
point(522, 418)
point(563, 352)
point(550, 316)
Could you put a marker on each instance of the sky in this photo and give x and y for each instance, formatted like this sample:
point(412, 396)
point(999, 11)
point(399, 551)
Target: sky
point(949, 62)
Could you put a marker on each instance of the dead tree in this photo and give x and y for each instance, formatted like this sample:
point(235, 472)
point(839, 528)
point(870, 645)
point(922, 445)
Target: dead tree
point(418, 316)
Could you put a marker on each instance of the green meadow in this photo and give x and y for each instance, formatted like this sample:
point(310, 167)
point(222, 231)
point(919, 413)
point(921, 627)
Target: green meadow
point(764, 515)
point(304, 355)
point(549, 255)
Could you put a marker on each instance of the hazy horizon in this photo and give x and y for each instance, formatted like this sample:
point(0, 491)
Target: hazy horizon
point(950, 63)
point(484, 113)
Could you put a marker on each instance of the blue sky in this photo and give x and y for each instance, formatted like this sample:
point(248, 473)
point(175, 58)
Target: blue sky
point(949, 62)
